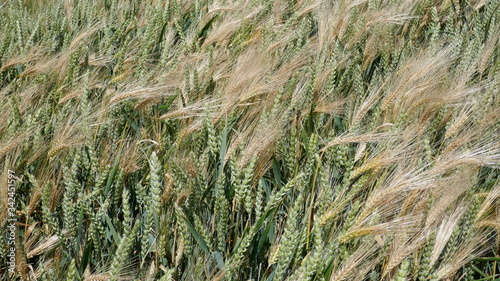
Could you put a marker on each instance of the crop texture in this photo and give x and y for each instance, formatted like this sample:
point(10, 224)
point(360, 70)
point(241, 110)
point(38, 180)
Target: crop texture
point(251, 140)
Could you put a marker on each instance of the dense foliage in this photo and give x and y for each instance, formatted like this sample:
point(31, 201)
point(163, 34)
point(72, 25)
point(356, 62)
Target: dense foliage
point(251, 139)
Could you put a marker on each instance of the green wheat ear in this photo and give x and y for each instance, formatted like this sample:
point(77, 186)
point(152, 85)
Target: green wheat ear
point(122, 252)
point(168, 275)
point(72, 186)
point(403, 270)
point(3, 249)
point(155, 188)
point(222, 213)
point(425, 271)
point(72, 272)
point(289, 239)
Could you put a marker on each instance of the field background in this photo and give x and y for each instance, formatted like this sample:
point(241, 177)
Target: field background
point(251, 140)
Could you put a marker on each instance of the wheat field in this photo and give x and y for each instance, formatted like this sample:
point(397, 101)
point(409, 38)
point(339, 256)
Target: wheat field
point(250, 140)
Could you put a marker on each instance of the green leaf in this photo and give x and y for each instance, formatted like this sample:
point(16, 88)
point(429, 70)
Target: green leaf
point(197, 236)
point(112, 175)
point(111, 230)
